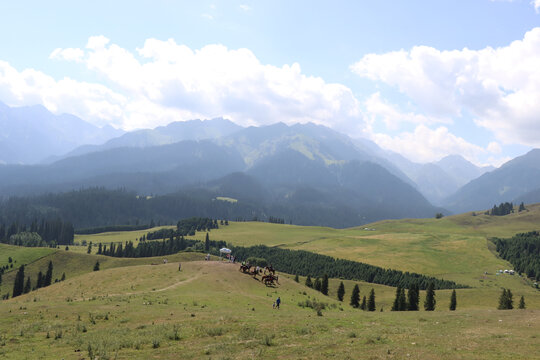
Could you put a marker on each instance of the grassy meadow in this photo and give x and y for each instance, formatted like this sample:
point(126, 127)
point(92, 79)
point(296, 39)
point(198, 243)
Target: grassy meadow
point(143, 308)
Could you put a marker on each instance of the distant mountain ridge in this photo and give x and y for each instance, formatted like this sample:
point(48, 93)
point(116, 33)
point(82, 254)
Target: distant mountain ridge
point(517, 179)
point(32, 133)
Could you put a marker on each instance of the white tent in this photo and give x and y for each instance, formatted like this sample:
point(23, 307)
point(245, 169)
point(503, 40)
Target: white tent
point(224, 251)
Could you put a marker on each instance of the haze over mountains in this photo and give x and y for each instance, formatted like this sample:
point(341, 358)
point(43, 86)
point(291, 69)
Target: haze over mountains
point(32, 133)
point(279, 170)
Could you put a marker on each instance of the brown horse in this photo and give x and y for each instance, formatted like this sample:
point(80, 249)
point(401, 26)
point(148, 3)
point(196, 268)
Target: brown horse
point(270, 270)
point(269, 279)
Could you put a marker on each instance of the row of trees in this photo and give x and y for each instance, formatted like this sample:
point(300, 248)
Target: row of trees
point(43, 233)
point(159, 248)
point(523, 251)
point(506, 301)
point(307, 263)
point(505, 209)
point(411, 302)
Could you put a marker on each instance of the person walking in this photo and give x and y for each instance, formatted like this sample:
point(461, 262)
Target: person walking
point(278, 301)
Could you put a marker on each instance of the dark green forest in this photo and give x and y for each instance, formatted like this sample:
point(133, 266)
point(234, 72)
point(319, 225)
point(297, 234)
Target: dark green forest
point(51, 232)
point(307, 263)
point(92, 208)
point(523, 251)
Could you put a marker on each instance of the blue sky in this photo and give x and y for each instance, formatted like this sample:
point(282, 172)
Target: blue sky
point(395, 72)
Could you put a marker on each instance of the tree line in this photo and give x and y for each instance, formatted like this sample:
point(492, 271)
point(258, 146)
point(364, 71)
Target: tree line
point(316, 265)
point(43, 233)
point(20, 286)
point(523, 252)
point(504, 209)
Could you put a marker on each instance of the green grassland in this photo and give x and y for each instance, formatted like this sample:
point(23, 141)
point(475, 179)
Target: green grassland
point(143, 308)
point(21, 255)
point(210, 310)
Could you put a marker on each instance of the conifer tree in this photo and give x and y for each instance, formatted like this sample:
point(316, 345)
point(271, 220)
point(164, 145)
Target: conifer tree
point(502, 300)
point(324, 285)
point(89, 250)
point(63, 277)
point(48, 275)
point(317, 284)
point(39, 280)
point(363, 306)
point(207, 243)
point(27, 286)
point(453, 301)
point(509, 300)
point(429, 303)
point(96, 266)
point(371, 302)
point(522, 301)
point(398, 301)
point(413, 298)
point(341, 291)
point(309, 283)
point(99, 249)
point(18, 285)
point(402, 301)
point(295, 277)
point(355, 297)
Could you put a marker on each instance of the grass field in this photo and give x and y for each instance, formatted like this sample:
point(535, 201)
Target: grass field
point(142, 308)
point(21, 255)
point(210, 310)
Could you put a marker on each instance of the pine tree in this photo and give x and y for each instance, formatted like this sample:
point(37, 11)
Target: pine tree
point(402, 301)
point(363, 305)
point(502, 300)
point(413, 298)
point(309, 283)
point(63, 277)
point(453, 301)
point(296, 278)
point(522, 302)
point(207, 243)
point(99, 249)
point(18, 285)
point(317, 284)
point(324, 285)
point(341, 291)
point(430, 302)
point(355, 297)
point(509, 300)
point(396, 304)
point(48, 275)
point(96, 266)
point(89, 250)
point(27, 286)
point(371, 300)
point(39, 280)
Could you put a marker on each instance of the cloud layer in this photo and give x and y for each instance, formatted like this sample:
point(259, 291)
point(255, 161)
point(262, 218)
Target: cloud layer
point(499, 87)
point(164, 81)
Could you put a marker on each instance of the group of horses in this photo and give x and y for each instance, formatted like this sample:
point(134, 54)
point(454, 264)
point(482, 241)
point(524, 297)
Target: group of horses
point(269, 277)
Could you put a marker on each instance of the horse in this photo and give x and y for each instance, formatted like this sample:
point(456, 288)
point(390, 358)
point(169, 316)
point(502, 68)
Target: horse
point(269, 279)
point(245, 268)
point(270, 269)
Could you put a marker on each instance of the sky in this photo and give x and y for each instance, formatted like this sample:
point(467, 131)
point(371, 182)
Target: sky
point(425, 79)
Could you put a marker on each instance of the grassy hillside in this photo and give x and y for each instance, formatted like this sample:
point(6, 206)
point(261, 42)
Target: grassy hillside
point(210, 310)
point(21, 255)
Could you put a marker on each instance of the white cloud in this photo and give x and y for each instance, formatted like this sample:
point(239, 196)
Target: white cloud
point(500, 87)
point(207, 16)
point(536, 4)
point(379, 109)
point(247, 7)
point(494, 147)
point(93, 102)
point(427, 145)
point(69, 54)
point(163, 82)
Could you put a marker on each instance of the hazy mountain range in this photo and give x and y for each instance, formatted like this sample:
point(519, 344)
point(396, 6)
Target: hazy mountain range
point(303, 166)
point(30, 134)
